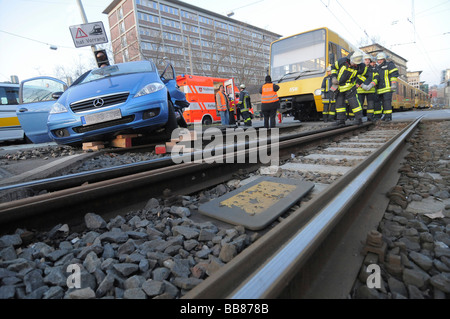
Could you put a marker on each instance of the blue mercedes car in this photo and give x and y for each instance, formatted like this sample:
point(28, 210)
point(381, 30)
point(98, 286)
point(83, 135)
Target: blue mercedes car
point(118, 99)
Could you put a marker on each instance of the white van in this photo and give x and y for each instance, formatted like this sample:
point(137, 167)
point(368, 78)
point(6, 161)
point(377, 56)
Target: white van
point(10, 128)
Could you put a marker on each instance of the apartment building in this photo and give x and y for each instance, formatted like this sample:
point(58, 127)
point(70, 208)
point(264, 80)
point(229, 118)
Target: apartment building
point(196, 41)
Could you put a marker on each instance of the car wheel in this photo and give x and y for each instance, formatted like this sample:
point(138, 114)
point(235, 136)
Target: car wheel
point(171, 121)
point(206, 121)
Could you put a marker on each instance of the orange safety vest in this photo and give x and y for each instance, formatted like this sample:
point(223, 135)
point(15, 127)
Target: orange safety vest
point(222, 103)
point(268, 94)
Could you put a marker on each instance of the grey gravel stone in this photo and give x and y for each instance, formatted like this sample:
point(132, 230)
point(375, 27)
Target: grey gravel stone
point(10, 240)
point(94, 221)
point(84, 293)
point(134, 293)
point(153, 287)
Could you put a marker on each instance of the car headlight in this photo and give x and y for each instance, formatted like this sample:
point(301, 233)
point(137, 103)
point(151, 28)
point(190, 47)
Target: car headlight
point(150, 88)
point(58, 108)
point(318, 92)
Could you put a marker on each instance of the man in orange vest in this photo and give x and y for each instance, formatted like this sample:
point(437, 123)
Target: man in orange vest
point(222, 105)
point(269, 102)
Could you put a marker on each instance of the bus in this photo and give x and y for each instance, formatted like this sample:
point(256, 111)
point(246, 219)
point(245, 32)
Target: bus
point(10, 129)
point(298, 65)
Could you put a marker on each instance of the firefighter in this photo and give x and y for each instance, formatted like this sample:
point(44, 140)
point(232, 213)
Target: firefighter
point(367, 90)
point(345, 82)
point(269, 102)
point(387, 85)
point(232, 110)
point(245, 104)
point(238, 109)
point(378, 109)
point(329, 107)
point(222, 105)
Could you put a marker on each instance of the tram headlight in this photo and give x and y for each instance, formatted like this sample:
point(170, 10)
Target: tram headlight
point(318, 92)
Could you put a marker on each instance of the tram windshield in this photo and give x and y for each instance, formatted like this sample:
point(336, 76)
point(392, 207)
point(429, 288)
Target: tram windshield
point(298, 56)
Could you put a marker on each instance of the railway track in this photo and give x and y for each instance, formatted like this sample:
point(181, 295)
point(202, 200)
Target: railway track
point(288, 243)
point(106, 190)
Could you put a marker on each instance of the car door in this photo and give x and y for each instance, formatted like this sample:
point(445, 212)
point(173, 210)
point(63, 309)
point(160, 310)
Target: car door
point(36, 98)
point(168, 77)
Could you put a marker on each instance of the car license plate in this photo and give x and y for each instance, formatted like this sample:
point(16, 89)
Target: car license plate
point(101, 117)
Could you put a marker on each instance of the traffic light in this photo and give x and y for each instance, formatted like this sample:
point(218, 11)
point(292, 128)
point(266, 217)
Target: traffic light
point(101, 57)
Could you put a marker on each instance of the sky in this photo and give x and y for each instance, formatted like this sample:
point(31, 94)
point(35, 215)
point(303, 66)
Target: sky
point(417, 30)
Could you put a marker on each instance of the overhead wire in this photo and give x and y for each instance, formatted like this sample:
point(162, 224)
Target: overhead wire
point(38, 41)
point(363, 30)
point(332, 13)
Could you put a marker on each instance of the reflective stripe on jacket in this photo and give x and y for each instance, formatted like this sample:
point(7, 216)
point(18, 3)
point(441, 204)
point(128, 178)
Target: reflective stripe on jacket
point(244, 101)
point(388, 73)
point(347, 76)
point(329, 95)
point(268, 95)
point(221, 101)
point(367, 79)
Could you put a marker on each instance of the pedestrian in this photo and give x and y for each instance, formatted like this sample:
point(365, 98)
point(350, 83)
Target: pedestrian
point(387, 85)
point(222, 105)
point(345, 83)
point(367, 90)
point(329, 104)
point(244, 105)
point(269, 102)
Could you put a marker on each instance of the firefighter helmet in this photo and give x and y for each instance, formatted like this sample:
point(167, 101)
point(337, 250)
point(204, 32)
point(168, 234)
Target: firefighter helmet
point(242, 86)
point(368, 56)
point(356, 58)
point(381, 56)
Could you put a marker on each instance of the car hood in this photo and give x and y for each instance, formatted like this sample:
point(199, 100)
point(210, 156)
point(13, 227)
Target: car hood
point(116, 84)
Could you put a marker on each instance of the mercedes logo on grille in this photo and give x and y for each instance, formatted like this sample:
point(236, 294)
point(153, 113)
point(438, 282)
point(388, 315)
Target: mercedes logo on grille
point(98, 102)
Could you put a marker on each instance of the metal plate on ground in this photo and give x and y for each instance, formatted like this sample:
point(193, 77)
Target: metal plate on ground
point(258, 203)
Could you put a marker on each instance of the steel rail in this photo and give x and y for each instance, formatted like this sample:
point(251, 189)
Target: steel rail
point(97, 175)
point(128, 192)
point(265, 268)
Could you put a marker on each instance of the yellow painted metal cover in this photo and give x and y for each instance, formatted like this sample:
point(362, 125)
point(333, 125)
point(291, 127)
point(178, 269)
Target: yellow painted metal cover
point(257, 204)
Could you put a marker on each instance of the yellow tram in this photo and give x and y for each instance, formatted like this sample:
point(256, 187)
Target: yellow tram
point(298, 65)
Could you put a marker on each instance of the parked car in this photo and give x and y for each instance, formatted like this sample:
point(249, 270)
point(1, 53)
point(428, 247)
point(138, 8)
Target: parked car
point(10, 129)
point(123, 98)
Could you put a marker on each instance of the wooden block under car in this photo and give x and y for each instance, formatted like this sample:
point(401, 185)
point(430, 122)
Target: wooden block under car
point(93, 146)
point(122, 142)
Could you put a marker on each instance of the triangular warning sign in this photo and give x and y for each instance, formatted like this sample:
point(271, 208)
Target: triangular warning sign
point(80, 34)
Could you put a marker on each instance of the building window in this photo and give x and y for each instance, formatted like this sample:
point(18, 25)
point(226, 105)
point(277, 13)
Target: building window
point(123, 40)
point(170, 23)
point(148, 17)
point(167, 9)
point(122, 27)
point(150, 4)
point(205, 20)
point(189, 15)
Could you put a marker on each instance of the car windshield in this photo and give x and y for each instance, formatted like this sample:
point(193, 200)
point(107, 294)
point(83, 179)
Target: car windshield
point(293, 56)
point(118, 69)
